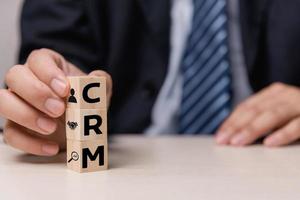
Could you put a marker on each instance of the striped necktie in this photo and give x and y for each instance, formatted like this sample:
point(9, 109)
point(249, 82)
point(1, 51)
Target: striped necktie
point(206, 95)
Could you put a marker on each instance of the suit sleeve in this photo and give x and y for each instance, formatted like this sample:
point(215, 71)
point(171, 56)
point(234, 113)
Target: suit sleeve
point(60, 25)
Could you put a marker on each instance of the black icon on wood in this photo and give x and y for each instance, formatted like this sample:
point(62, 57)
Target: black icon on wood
point(72, 98)
point(85, 95)
point(74, 156)
point(87, 154)
point(88, 126)
point(72, 125)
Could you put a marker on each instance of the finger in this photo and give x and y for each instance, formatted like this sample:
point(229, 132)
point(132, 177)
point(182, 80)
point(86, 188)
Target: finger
point(256, 102)
point(246, 112)
point(288, 134)
point(109, 82)
point(264, 124)
point(232, 128)
point(239, 119)
point(15, 109)
point(25, 84)
point(17, 137)
point(47, 65)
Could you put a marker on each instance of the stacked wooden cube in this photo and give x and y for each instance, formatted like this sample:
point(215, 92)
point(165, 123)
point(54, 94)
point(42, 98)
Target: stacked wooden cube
point(86, 124)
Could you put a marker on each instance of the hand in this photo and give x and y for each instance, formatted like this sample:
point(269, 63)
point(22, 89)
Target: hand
point(274, 112)
point(34, 103)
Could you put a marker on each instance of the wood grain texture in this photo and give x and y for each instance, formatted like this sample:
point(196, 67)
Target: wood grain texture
point(86, 124)
point(76, 118)
point(76, 155)
point(78, 84)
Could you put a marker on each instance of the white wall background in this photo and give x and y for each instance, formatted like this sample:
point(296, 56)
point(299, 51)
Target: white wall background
point(9, 43)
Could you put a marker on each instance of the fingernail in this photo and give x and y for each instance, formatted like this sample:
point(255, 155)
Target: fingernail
point(222, 138)
point(59, 86)
point(55, 106)
point(46, 124)
point(50, 149)
point(238, 140)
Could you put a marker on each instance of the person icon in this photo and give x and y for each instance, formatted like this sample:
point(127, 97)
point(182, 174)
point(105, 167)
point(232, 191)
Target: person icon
point(72, 98)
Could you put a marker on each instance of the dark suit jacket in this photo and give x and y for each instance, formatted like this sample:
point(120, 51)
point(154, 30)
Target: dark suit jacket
point(130, 40)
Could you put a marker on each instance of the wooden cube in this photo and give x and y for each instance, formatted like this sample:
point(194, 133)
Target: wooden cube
point(87, 156)
point(86, 124)
point(87, 92)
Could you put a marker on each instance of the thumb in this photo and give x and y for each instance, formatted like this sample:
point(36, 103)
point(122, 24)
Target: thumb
point(109, 83)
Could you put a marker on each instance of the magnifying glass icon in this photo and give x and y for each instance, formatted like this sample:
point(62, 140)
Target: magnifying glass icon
point(74, 156)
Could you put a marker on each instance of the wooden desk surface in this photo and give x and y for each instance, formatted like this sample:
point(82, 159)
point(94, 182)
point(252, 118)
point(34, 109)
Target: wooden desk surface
point(158, 168)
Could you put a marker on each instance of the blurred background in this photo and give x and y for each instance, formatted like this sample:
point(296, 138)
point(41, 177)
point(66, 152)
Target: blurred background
point(9, 41)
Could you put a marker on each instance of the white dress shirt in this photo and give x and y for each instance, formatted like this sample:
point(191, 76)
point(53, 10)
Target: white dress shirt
point(166, 108)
